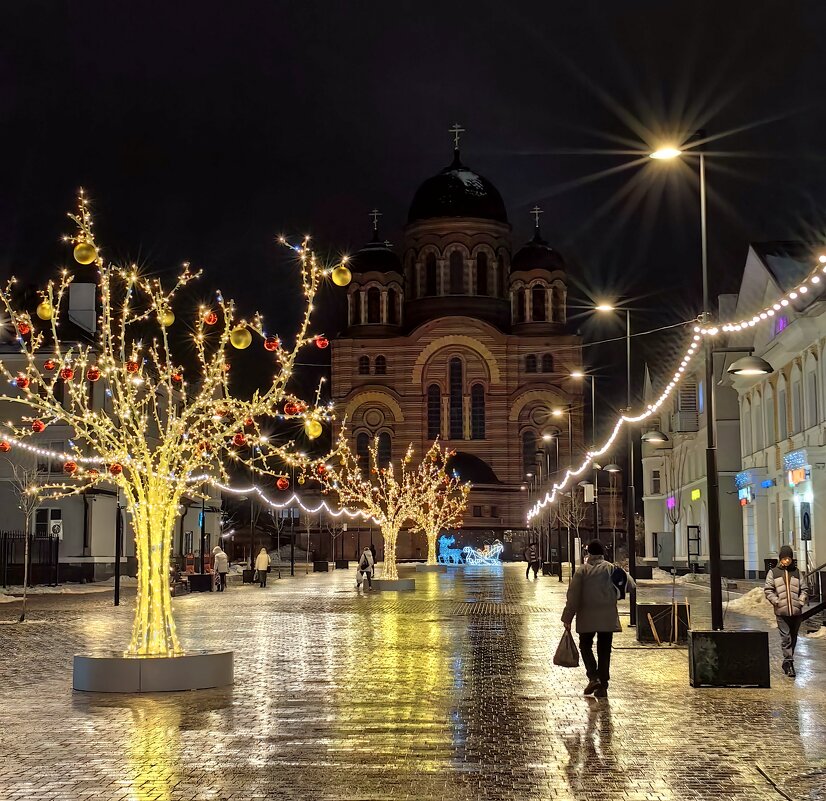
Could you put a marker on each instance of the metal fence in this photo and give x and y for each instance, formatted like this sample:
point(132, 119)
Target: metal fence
point(43, 558)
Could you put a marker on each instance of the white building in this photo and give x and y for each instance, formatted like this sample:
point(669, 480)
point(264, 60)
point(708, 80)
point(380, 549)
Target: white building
point(74, 537)
point(783, 474)
point(674, 486)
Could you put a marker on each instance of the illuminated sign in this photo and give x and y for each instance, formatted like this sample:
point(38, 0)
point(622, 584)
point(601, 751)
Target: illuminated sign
point(695, 495)
point(769, 482)
point(745, 496)
point(798, 475)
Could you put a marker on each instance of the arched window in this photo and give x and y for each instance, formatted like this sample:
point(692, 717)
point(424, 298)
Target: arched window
point(477, 412)
point(434, 411)
point(797, 401)
point(768, 411)
point(364, 365)
point(482, 273)
point(538, 304)
point(457, 427)
point(558, 305)
point(528, 451)
point(812, 410)
point(530, 363)
point(757, 416)
point(503, 278)
point(746, 429)
point(380, 366)
point(431, 275)
point(384, 449)
point(373, 305)
point(457, 273)
point(520, 305)
point(363, 452)
point(782, 417)
point(392, 307)
point(547, 363)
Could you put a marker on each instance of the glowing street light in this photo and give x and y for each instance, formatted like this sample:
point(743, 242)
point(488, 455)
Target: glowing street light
point(665, 153)
point(604, 307)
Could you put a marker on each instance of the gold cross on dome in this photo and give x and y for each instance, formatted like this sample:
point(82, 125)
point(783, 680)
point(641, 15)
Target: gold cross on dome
point(536, 211)
point(456, 130)
point(375, 214)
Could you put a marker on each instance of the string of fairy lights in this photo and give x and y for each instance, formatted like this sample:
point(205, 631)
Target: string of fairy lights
point(811, 283)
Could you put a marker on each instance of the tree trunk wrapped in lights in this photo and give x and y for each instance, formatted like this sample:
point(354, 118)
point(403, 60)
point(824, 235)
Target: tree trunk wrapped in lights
point(444, 498)
point(135, 419)
point(390, 495)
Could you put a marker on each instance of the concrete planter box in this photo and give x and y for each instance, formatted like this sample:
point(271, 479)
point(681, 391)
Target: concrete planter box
point(663, 616)
point(643, 572)
point(321, 567)
point(394, 585)
point(728, 659)
point(200, 582)
point(116, 673)
point(342, 564)
point(431, 568)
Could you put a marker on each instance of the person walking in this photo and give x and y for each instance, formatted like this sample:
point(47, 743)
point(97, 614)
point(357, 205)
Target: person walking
point(592, 599)
point(786, 592)
point(364, 571)
point(220, 563)
point(373, 552)
point(262, 565)
point(533, 560)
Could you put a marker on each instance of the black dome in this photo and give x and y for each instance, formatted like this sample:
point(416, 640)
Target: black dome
point(376, 255)
point(537, 255)
point(471, 468)
point(457, 192)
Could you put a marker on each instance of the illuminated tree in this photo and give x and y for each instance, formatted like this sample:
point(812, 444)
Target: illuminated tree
point(390, 495)
point(135, 418)
point(444, 498)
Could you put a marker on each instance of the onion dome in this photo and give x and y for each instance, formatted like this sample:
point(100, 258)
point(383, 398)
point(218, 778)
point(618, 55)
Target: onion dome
point(457, 192)
point(537, 254)
point(376, 256)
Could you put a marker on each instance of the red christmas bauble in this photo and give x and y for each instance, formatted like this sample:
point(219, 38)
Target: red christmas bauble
point(221, 412)
point(239, 439)
point(291, 408)
point(322, 342)
point(322, 469)
point(272, 343)
point(132, 367)
point(24, 329)
point(249, 422)
point(283, 483)
point(177, 378)
point(5, 447)
point(49, 364)
point(93, 472)
point(227, 367)
point(93, 373)
point(115, 469)
point(210, 318)
point(38, 426)
point(22, 381)
point(67, 373)
point(70, 468)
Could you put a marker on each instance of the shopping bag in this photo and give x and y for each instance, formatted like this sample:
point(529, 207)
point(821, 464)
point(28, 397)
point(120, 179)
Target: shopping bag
point(567, 654)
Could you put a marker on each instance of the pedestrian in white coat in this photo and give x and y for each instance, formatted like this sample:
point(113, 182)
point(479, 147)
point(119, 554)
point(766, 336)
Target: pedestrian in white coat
point(220, 564)
point(262, 565)
point(365, 568)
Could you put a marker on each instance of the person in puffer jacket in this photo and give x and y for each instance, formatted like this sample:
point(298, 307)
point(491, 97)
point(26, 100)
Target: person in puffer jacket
point(786, 592)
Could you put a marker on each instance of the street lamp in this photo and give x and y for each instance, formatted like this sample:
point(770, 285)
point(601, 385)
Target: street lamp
point(654, 436)
point(579, 374)
point(750, 366)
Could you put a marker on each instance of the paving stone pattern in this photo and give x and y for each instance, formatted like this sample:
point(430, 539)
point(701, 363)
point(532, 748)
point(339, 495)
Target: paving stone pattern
point(445, 693)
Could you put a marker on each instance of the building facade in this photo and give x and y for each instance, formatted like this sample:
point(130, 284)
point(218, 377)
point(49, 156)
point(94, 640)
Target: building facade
point(464, 339)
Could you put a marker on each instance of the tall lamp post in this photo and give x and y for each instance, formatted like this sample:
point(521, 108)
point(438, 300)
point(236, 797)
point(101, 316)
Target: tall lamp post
point(546, 438)
point(592, 378)
point(560, 413)
point(630, 526)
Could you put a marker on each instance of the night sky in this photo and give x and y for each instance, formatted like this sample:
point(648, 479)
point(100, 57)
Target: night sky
point(202, 130)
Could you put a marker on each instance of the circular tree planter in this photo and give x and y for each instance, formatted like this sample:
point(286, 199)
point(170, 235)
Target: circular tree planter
point(421, 568)
point(113, 672)
point(394, 585)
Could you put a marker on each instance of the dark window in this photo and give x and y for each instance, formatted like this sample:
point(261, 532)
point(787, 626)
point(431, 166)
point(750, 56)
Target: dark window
point(456, 412)
point(392, 307)
point(528, 451)
point(494, 511)
point(482, 274)
point(457, 273)
point(431, 275)
point(434, 411)
point(364, 365)
point(356, 296)
point(384, 449)
point(559, 305)
point(538, 303)
point(477, 412)
point(655, 482)
point(547, 363)
point(380, 367)
point(503, 279)
point(373, 305)
point(530, 363)
point(363, 452)
point(520, 306)
point(477, 511)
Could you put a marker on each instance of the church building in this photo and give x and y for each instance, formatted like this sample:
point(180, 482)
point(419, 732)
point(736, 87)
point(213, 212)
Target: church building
point(459, 335)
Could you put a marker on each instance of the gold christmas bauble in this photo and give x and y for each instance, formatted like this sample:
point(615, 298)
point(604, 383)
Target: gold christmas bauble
point(167, 318)
point(341, 275)
point(313, 428)
point(240, 337)
point(85, 253)
point(45, 310)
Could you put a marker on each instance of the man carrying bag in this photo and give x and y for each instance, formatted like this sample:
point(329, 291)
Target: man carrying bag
point(592, 599)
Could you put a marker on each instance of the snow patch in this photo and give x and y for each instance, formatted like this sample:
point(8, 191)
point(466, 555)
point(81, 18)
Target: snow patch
point(753, 603)
point(820, 634)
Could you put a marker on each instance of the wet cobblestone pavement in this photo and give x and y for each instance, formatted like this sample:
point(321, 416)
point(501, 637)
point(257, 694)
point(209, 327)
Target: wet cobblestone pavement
point(445, 693)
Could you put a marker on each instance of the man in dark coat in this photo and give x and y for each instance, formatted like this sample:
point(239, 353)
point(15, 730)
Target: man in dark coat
point(592, 599)
point(533, 559)
point(786, 592)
